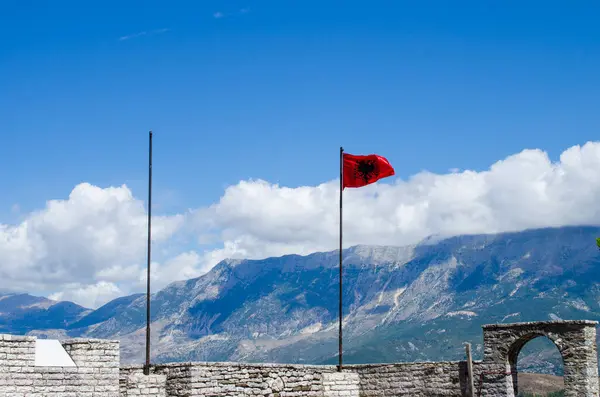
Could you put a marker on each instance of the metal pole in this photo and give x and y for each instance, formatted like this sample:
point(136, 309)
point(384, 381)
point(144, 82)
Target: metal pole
point(470, 375)
point(340, 308)
point(147, 366)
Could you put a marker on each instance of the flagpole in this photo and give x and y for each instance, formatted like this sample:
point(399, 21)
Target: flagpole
point(340, 308)
point(147, 366)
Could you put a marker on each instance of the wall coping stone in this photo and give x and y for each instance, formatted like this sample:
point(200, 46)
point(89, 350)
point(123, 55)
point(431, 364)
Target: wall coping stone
point(17, 338)
point(132, 367)
point(405, 363)
point(228, 364)
point(75, 341)
point(539, 323)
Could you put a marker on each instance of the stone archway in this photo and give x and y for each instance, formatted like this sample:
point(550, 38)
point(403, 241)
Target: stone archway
point(517, 349)
point(575, 340)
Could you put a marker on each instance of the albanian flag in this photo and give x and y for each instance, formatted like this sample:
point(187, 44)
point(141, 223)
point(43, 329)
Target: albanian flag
point(364, 170)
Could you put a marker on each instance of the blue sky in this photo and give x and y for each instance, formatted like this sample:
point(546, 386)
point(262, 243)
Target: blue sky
point(272, 88)
point(269, 90)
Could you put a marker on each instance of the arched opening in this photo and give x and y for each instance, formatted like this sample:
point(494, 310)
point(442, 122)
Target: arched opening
point(574, 339)
point(538, 368)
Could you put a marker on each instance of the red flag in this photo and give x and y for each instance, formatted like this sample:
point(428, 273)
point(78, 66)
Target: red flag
point(363, 170)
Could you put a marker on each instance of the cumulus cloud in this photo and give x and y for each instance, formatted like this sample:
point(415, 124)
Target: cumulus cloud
point(92, 296)
point(258, 219)
point(91, 246)
point(95, 235)
point(181, 267)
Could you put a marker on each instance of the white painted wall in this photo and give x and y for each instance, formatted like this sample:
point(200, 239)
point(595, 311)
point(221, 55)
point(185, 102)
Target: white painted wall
point(50, 353)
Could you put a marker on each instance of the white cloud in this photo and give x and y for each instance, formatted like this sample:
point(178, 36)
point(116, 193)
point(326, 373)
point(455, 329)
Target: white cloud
point(241, 11)
point(95, 235)
point(91, 246)
point(132, 36)
point(92, 296)
point(258, 219)
point(143, 33)
point(182, 267)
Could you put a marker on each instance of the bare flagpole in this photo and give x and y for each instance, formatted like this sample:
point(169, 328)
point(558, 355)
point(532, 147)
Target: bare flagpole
point(147, 366)
point(340, 308)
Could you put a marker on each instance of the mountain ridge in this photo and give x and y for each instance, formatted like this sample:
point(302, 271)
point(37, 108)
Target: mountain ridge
point(418, 302)
point(21, 313)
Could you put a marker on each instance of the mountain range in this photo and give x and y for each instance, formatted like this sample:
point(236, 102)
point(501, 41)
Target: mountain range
point(411, 303)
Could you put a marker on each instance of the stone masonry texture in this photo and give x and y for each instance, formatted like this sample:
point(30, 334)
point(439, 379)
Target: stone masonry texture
point(412, 379)
point(236, 379)
point(98, 374)
point(137, 384)
point(575, 340)
point(342, 384)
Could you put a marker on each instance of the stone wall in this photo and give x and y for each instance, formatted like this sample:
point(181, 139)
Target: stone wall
point(96, 374)
point(425, 379)
point(341, 384)
point(138, 384)
point(374, 380)
point(237, 379)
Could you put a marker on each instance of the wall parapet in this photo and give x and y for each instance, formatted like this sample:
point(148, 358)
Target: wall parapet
point(540, 324)
point(137, 384)
point(341, 384)
point(221, 379)
point(97, 373)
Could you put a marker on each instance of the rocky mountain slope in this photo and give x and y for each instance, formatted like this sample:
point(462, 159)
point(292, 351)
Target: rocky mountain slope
point(21, 313)
point(419, 302)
